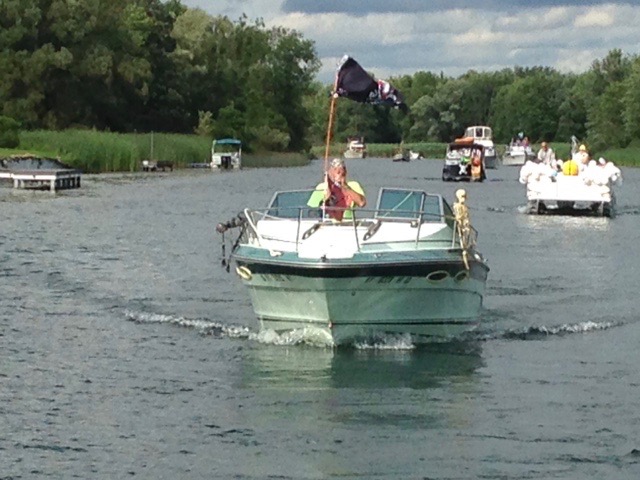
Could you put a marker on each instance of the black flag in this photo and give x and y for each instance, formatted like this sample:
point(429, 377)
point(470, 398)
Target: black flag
point(355, 83)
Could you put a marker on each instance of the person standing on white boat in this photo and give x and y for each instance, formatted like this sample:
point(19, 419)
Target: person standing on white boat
point(546, 155)
point(581, 157)
point(338, 194)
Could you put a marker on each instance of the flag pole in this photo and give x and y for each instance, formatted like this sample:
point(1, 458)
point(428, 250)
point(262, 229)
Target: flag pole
point(332, 109)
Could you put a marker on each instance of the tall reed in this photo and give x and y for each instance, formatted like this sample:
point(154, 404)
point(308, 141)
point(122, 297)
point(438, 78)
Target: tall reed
point(94, 152)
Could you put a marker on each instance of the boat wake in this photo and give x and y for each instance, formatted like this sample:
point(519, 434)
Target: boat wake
point(314, 337)
point(539, 332)
point(204, 326)
point(320, 338)
point(630, 210)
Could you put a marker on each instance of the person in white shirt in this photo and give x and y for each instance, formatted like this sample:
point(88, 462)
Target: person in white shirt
point(546, 155)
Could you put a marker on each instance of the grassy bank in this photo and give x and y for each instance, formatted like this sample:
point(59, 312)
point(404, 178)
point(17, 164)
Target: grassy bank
point(95, 152)
point(427, 149)
point(98, 152)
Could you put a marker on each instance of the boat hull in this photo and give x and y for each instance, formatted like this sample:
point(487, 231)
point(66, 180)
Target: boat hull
point(452, 173)
point(570, 195)
point(491, 161)
point(514, 160)
point(433, 300)
point(351, 154)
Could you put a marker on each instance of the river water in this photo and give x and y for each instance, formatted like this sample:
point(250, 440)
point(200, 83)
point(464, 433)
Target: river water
point(127, 351)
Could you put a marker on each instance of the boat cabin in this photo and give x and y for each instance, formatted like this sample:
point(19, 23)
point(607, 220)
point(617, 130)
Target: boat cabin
point(226, 153)
point(479, 133)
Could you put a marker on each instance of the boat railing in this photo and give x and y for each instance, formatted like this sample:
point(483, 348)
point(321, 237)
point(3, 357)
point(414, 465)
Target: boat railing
point(309, 220)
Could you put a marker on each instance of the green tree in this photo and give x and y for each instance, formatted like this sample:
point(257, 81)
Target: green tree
point(631, 102)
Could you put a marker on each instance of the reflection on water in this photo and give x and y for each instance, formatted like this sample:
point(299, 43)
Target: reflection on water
point(307, 368)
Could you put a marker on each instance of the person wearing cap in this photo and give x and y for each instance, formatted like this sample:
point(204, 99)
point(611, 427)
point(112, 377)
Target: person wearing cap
point(581, 157)
point(546, 155)
point(338, 194)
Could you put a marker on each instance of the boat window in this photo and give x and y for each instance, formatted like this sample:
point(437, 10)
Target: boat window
point(399, 203)
point(408, 204)
point(288, 204)
point(432, 209)
point(448, 213)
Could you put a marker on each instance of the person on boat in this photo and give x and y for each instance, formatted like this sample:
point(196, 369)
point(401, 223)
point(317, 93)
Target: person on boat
point(476, 165)
point(581, 157)
point(338, 194)
point(546, 155)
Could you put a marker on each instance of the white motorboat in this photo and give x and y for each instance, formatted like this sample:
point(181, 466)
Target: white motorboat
point(356, 148)
point(409, 266)
point(226, 154)
point(517, 155)
point(518, 151)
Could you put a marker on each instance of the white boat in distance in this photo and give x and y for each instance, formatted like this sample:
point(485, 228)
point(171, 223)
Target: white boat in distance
point(518, 151)
point(483, 135)
point(409, 266)
point(356, 148)
point(226, 154)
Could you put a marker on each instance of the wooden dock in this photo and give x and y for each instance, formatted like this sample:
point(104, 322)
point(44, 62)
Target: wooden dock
point(44, 179)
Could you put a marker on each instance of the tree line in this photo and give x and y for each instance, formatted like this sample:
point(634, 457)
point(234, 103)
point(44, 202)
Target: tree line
point(152, 65)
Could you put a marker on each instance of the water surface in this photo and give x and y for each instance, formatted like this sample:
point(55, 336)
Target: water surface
point(128, 351)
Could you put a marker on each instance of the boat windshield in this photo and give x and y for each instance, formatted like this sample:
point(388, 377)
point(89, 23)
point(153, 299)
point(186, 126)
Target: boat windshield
point(288, 204)
point(394, 203)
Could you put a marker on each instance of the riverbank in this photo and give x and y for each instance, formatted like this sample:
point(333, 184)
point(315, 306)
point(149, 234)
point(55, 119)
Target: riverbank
point(624, 157)
point(100, 152)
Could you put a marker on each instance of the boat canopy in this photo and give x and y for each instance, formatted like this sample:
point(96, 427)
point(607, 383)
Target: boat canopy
point(227, 141)
point(479, 132)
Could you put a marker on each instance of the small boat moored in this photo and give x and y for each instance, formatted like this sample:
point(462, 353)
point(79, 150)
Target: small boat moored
point(401, 154)
point(226, 154)
point(356, 148)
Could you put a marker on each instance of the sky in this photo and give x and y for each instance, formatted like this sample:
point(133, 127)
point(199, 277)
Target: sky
point(400, 37)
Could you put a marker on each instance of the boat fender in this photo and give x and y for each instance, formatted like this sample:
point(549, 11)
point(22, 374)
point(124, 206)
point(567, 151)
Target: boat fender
point(371, 231)
point(244, 273)
point(311, 231)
